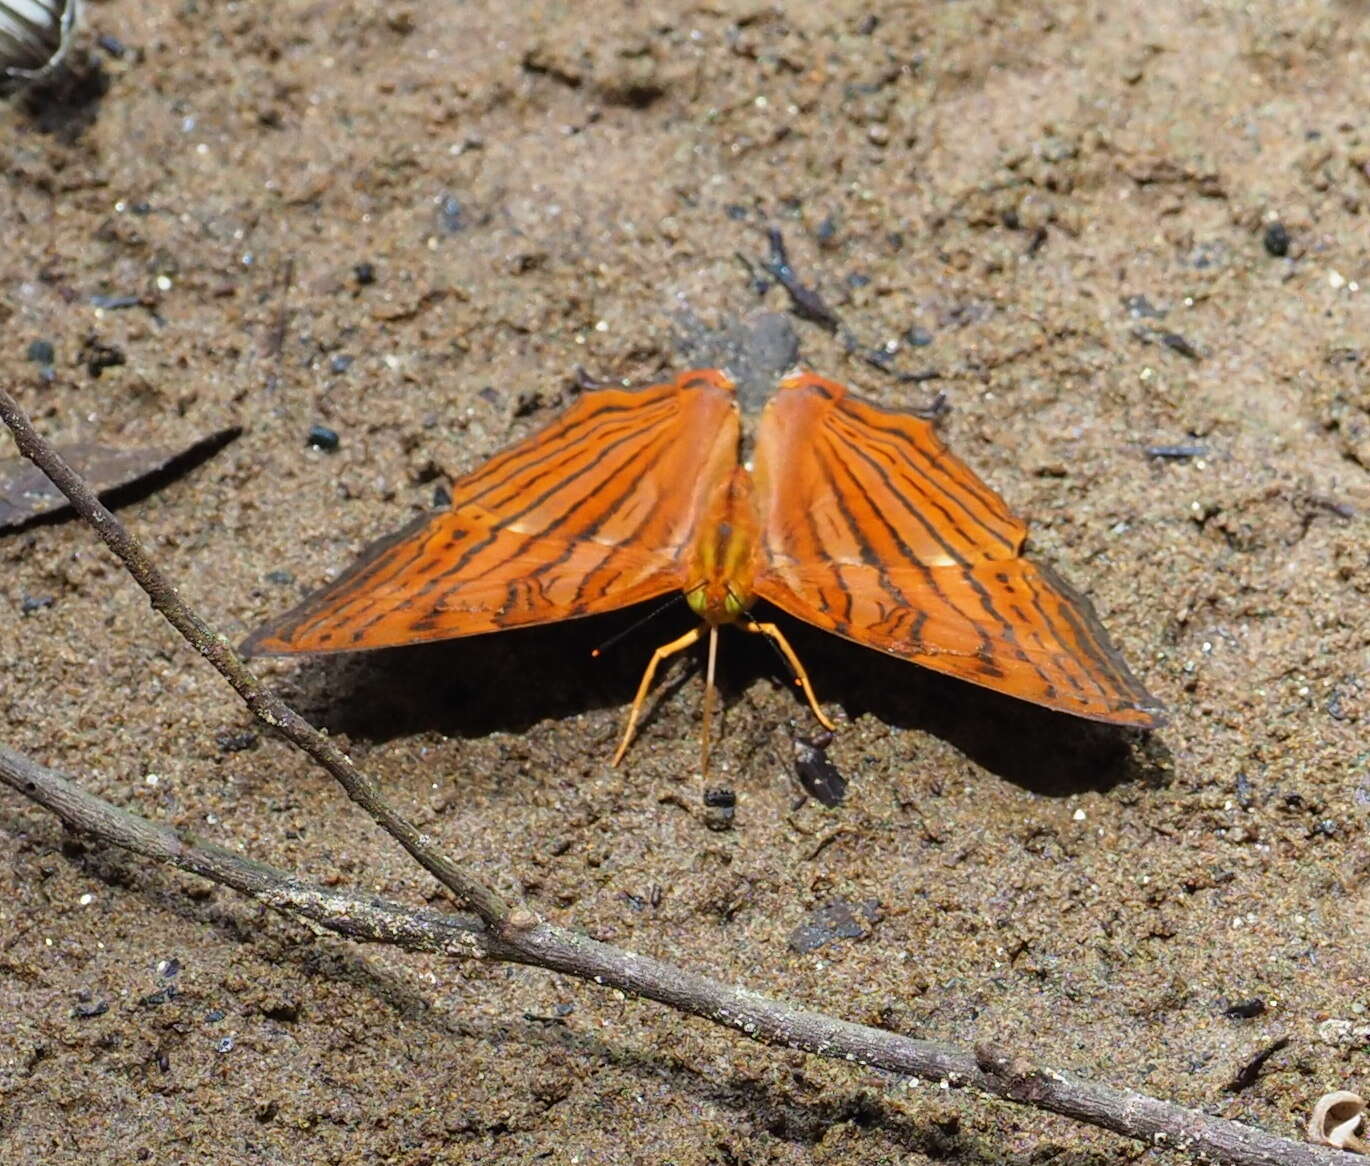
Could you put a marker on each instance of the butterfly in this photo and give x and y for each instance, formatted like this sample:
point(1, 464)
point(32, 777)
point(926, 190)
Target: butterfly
point(852, 517)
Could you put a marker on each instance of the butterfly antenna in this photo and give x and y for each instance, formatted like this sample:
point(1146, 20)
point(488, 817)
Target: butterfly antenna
point(596, 653)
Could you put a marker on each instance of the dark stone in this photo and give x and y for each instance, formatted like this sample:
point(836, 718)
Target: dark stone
point(1277, 240)
point(41, 352)
point(321, 437)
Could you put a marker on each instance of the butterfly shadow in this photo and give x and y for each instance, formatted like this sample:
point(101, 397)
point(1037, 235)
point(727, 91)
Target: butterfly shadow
point(510, 681)
point(1043, 751)
point(501, 682)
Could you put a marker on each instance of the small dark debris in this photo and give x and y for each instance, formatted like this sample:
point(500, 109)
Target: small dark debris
point(1177, 343)
point(161, 996)
point(938, 407)
point(87, 1009)
point(97, 357)
point(827, 231)
point(451, 215)
point(235, 740)
point(858, 279)
point(142, 208)
point(918, 337)
point(1176, 452)
point(1245, 797)
point(528, 402)
point(171, 968)
point(442, 496)
point(720, 806)
point(340, 362)
point(114, 303)
point(807, 303)
point(1277, 240)
point(1245, 1009)
point(31, 603)
point(1139, 307)
point(364, 274)
point(837, 920)
point(112, 46)
point(214, 1015)
point(735, 211)
point(1172, 340)
point(818, 776)
point(41, 352)
point(225, 1045)
point(869, 23)
point(321, 437)
point(489, 394)
point(280, 578)
point(164, 1062)
point(1247, 1075)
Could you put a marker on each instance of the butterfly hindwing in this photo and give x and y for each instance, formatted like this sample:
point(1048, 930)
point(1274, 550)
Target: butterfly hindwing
point(872, 529)
point(593, 513)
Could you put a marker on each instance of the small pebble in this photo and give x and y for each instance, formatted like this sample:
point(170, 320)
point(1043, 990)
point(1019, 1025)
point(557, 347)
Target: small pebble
point(340, 362)
point(451, 216)
point(41, 352)
point(720, 805)
point(321, 437)
point(1277, 239)
point(364, 274)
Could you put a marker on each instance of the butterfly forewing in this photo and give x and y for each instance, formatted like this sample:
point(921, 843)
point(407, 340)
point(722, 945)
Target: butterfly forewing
point(591, 514)
point(873, 530)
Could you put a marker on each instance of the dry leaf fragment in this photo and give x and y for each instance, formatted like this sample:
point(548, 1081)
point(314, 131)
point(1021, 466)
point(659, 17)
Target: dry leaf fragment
point(26, 493)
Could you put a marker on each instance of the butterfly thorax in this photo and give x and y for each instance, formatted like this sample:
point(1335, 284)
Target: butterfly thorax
point(723, 557)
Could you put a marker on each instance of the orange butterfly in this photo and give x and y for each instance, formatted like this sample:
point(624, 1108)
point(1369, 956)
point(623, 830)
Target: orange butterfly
point(846, 515)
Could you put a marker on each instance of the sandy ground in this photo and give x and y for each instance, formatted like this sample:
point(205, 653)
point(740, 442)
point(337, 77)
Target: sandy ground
point(411, 224)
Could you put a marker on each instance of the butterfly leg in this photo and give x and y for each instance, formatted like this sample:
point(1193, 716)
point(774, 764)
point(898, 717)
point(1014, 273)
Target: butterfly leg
point(801, 678)
point(662, 653)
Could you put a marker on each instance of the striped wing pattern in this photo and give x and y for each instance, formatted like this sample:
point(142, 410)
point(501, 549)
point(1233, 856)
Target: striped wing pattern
point(593, 513)
point(873, 530)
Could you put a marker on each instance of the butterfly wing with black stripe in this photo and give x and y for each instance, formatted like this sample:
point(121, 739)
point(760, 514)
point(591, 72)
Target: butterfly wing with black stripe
point(872, 529)
point(591, 514)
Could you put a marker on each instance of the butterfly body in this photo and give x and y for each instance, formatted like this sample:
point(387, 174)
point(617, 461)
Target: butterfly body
point(846, 515)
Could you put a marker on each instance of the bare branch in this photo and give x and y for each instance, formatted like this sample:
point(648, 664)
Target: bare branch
point(518, 936)
point(264, 703)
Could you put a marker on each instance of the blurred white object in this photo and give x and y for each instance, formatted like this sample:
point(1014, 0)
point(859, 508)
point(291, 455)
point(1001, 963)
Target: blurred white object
point(34, 35)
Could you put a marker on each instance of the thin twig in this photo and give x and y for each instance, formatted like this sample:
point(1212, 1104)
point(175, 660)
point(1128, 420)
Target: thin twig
point(375, 920)
point(521, 937)
point(264, 703)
